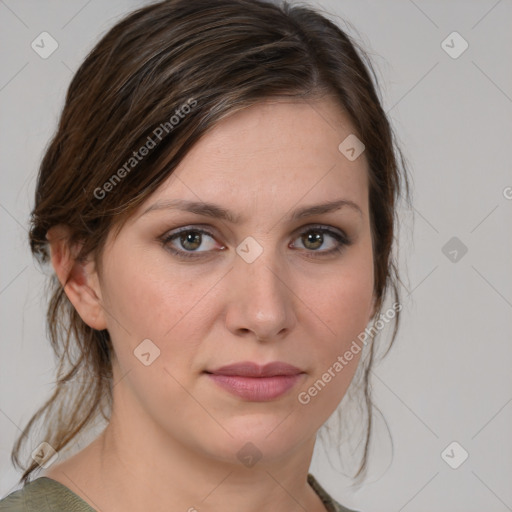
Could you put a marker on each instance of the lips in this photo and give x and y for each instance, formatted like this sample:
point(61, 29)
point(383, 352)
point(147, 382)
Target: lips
point(250, 369)
point(257, 383)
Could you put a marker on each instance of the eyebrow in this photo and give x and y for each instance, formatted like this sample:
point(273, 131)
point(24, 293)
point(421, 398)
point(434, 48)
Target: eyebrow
point(218, 212)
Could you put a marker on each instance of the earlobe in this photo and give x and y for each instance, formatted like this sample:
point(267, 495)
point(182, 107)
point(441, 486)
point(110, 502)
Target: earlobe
point(78, 278)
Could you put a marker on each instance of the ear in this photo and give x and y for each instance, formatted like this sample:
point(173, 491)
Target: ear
point(79, 279)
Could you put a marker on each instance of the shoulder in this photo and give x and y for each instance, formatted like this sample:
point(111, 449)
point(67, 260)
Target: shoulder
point(43, 495)
point(330, 503)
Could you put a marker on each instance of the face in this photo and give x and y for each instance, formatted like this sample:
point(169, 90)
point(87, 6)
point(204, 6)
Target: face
point(205, 292)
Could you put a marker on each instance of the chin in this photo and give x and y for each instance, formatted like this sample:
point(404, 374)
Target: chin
point(262, 438)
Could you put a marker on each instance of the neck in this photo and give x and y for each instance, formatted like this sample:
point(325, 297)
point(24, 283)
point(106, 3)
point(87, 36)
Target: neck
point(171, 476)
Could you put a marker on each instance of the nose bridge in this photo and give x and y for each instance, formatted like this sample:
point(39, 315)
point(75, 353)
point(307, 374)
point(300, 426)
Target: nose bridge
point(262, 301)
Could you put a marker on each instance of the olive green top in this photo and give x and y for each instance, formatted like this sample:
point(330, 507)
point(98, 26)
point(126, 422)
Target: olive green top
point(47, 495)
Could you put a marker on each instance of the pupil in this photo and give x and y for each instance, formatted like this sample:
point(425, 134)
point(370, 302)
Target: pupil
point(315, 238)
point(191, 238)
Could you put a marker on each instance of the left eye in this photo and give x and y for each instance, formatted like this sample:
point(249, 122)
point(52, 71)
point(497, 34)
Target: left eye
point(312, 239)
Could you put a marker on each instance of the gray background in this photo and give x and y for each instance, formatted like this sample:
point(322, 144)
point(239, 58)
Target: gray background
point(449, 377)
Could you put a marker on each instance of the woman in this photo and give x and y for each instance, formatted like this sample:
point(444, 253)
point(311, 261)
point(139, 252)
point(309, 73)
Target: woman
point(218, 205)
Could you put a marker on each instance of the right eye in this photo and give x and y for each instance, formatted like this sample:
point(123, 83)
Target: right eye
point(189, 239)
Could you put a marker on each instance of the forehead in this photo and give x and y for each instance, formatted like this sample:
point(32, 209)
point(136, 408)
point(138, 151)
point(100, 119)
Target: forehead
point(278, 151)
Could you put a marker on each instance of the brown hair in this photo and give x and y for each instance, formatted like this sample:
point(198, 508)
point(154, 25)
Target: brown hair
point(217, 57)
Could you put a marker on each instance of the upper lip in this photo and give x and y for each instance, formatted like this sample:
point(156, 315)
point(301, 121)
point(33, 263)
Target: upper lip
point(250, 369)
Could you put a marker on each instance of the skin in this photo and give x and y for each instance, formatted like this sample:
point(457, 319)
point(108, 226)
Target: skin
point(173, 431)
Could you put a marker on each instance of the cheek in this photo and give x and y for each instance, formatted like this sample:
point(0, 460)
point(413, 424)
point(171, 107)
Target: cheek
point(143, 295)
point(344, 303)
point(342, 310)
point(149, 299)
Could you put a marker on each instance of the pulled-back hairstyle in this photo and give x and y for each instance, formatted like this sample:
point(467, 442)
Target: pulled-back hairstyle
point(212, 57)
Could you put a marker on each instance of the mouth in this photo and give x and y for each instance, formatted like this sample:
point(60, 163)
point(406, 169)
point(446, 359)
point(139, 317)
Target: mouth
point(257, 383)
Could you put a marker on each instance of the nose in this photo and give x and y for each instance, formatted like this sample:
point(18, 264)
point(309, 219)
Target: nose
point(262, 303)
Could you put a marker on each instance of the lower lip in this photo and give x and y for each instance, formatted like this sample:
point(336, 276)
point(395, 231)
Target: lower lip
point(257, 389)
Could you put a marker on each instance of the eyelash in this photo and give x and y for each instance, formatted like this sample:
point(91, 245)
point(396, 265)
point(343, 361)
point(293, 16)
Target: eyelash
point(342, 239)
